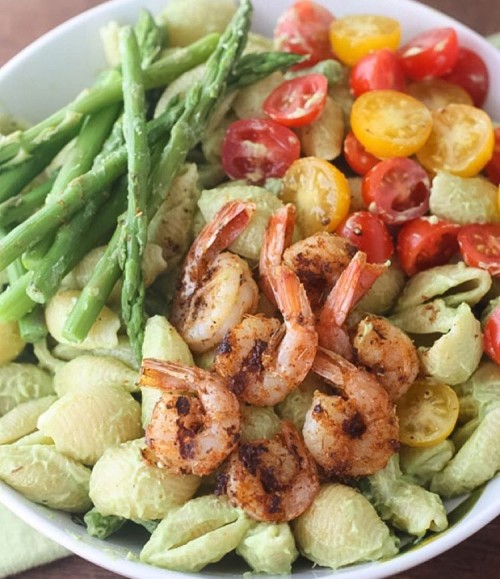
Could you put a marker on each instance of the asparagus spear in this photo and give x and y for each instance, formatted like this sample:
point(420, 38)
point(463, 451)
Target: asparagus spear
point(87, 145)
point(32, 326)
point(51, 268)
point(258, 65)
point(105, 171)
point(135, 223)
point(78, 161)
point(150, 38)
point(79, 192)
point(14, 179)
point(87, 149)
point(20, 145)
point(200, 101)
point(102, 526)
point(21, 206)
point(15, 302)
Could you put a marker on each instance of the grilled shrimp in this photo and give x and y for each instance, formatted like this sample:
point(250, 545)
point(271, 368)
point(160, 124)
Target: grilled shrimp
point(388, 353)
point(262, 359)
point(277, 238)
point(356, 279)
point(195, 424)
point(216, 288)
point(354, 431)
point(319, 260)
point(272, 480)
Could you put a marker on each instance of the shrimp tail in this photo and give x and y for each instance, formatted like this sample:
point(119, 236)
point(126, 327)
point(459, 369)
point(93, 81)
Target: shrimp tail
point(290, 295)
point(167, 375)
point(332, 366)
point(352, 285)
point(277, 238)
point(214, 238)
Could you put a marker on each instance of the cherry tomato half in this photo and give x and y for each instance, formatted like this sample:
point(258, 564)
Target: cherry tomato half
point(491, 336)
point(369, 234)
point(431, 53)
point(355, 35)
point(255, 149)
point(357, 157)
point(397, 190)
point(471, 73)
point(437, 93)
point(480, 246)
point(427, 413)
point(320, 193)
point(461, 141)
point(303, 29)
point(381, 69)
point(298, 101)
point(493, 167)
point(389, 123)
point(426, 242)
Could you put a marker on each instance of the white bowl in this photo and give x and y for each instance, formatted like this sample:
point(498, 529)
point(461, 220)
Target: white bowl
point(47, 75)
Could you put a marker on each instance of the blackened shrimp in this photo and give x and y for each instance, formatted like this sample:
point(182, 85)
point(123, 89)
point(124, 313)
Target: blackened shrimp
point(354, 281)
point(195, 424)
point(216, 288)
point(354, 431)
point(262, 359)
point(277, 238)
point(388, 353)
point(319, 260)
point(272, 480)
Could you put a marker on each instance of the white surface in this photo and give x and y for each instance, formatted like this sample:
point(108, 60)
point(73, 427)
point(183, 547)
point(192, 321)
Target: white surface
point(51, 72)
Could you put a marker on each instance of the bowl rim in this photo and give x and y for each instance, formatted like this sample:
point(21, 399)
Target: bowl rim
point(39, 517)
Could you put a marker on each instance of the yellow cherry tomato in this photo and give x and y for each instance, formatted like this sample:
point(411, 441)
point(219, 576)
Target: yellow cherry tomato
point(354, 36)
point(437, 93)
point(427, 413)
point(320, 193)
point(389, 123)
point(461, 141)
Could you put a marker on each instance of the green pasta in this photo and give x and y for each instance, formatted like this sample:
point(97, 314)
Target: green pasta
point(124, 485)
point(200, 532)
point(269, 548)
point(405, 505)
point(83, 423)
point(341, 527)
point(22, 419)
point(476, 462)
point(249, 242)
point(36, 470)
point(95, 371)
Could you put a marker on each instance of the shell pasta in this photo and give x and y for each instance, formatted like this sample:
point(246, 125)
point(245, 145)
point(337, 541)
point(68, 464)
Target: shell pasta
point(251, 303)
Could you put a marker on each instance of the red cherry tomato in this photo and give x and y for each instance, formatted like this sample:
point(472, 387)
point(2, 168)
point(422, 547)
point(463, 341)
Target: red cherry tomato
point(431, 53)
point(491, 336)
point(298, 101)
point(480, 246)
point(493, 167)
point(426, 242)
point(255, 149)
point(357, 157)
point(397, 190)
point(381, 69)
point(369, 234)
point(470, 72)
point(303, 28)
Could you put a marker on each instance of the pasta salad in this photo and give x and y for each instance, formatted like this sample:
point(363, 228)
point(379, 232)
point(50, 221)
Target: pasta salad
point(249, 295)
